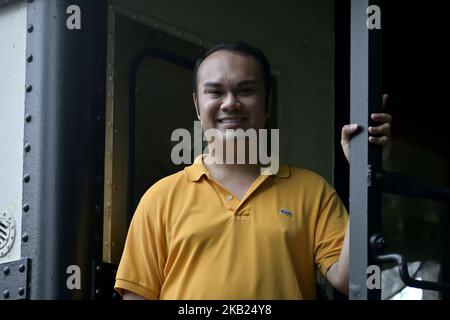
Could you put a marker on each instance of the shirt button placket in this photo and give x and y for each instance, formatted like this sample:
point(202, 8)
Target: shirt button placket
point(230, 203)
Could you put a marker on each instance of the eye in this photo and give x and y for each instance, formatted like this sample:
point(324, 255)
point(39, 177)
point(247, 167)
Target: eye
point(213, 92)
point(246, 91)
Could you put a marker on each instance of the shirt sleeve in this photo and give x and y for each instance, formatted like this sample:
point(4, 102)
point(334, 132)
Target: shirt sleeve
point(141, 268)
point(330, 232)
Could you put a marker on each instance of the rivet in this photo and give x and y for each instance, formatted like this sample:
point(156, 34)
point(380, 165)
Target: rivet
point(6, 271)
point(30, 58)
point(28, 88)
point(98, 268)
point(27, 147)
point(98, 292)
point(115, 295)
point(28, 118)
point(6, 294)
point(30, 28)
point(26, 178)
point(21, 268)
point(355, 290)
point(21, 291)
point(26, 207)
point(25, 237)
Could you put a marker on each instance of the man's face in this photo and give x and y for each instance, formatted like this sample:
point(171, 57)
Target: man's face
point(230, 92)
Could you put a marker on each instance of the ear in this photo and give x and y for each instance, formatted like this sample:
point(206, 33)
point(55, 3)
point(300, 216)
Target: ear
point(195, 99)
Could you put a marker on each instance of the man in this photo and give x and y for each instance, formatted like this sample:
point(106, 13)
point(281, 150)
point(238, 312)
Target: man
point(220, 230)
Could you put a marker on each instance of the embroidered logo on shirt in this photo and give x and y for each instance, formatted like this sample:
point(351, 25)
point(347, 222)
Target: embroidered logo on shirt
point(286, 212)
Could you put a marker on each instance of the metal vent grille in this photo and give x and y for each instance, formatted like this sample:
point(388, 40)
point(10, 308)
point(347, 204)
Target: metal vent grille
point(7, 233)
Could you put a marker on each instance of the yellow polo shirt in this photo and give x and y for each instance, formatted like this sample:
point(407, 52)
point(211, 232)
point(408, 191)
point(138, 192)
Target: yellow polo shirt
point(190, 238)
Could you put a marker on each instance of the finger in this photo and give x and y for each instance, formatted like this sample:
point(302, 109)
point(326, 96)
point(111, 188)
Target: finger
point(384, 99)
point(384, 129)
point(347, 131)
point(381, 117)
point(382, 141)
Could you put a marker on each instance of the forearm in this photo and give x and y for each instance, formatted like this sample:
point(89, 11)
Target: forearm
point(128, 295)
point(337, 275)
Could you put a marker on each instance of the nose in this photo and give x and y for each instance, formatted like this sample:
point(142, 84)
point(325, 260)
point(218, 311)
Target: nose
point(230, 103)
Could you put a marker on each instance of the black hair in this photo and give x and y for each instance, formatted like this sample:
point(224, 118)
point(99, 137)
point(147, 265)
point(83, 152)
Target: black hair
point(244, 48)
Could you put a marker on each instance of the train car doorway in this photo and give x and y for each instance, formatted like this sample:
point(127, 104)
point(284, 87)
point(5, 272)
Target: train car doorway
point(149, 96)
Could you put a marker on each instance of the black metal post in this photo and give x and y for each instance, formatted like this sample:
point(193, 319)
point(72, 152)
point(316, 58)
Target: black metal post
point(365, 98)
point(64, 125)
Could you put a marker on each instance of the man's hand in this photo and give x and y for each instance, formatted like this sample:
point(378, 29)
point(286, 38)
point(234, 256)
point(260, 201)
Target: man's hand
point(382, 133)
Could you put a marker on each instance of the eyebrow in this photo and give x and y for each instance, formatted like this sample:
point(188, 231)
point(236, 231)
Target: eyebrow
point(212, 84)
point(240, 84)
point(247, 82)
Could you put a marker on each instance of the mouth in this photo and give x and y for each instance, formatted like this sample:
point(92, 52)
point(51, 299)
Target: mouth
point(231, 122)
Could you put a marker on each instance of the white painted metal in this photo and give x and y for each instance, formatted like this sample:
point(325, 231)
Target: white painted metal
point(13, 18)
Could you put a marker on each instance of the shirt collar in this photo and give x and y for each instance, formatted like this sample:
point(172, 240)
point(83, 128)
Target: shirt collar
point(196, 170)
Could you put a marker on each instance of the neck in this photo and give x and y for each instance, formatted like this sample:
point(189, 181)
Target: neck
point(233, 170)
point(234, 160)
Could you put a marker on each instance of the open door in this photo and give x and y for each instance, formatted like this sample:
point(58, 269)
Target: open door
point(152, 47)
point(393, 202)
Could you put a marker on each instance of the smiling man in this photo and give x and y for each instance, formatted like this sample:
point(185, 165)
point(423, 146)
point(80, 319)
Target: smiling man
point(219, 230)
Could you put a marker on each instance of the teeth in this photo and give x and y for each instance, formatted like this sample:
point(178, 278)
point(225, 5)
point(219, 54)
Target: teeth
point(230, 120)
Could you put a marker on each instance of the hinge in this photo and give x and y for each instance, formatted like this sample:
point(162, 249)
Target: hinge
point(104, 276)
point(14, 279)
